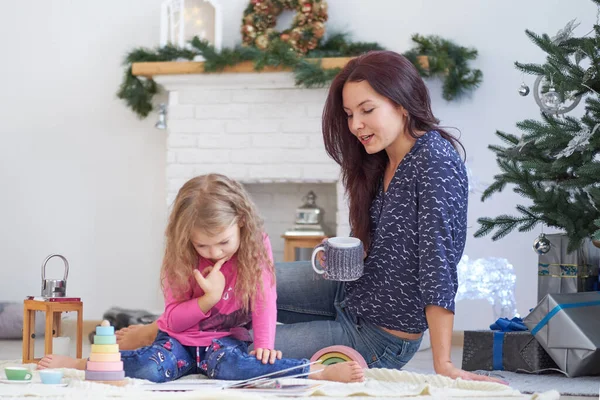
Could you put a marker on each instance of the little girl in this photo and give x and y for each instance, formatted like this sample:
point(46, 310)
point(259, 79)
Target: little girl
point(218, 280)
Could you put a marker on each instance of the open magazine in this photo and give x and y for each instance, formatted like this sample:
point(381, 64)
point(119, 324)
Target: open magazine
point(268, 383)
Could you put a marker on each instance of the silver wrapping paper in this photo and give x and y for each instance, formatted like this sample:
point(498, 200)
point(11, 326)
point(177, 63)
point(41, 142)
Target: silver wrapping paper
point(562, 272)
point(568, 327)
point(520, 352)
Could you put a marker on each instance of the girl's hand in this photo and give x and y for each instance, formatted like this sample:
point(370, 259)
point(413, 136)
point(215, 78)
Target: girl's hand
point(212, 280)
point(448, 369)
point(266, 355)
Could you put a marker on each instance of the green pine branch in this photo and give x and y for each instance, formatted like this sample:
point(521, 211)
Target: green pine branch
point(497, 186)
point(448, 61)
point(137, 92)
point(312, 75)
point(340, 45)
point(504, 224)
point(508, 138)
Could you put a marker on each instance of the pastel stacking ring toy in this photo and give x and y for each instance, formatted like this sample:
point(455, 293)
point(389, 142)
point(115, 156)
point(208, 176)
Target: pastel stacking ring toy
point(104, 364)
point(337, 354)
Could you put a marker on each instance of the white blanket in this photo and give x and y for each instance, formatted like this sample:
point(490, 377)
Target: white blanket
point(380, 383)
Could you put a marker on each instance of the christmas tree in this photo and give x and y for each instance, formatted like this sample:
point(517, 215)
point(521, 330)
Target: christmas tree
point(556, 161)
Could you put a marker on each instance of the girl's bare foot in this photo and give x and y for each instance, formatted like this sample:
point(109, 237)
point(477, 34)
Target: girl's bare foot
point(58, 361)
point(136, 336)
point(346, 372)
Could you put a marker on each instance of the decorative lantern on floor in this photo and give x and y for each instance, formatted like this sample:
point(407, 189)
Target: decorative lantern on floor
point(181, 20)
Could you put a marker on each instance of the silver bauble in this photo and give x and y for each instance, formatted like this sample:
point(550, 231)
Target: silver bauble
point(551, 100)
point(541, 245)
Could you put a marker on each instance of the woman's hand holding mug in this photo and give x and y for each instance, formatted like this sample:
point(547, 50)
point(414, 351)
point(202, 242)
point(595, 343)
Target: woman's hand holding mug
point(341, 259)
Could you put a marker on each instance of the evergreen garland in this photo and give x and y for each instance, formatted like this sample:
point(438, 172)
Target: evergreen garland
point(446, 60)
point(449, 61)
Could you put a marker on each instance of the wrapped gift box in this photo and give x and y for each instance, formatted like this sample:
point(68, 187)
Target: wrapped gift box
point(568, 327)
point(563, 272)
point(508, 351)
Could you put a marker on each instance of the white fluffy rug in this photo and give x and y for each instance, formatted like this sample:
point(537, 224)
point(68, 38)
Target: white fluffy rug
point(380, 383)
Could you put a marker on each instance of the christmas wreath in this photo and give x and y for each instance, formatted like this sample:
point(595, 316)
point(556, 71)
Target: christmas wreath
point(308, 26)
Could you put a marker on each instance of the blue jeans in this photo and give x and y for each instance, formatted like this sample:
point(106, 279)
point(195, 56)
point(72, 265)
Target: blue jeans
point(315, 317)
point(226, 358)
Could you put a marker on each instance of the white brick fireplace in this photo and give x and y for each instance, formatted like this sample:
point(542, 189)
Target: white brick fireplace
point(260, 129)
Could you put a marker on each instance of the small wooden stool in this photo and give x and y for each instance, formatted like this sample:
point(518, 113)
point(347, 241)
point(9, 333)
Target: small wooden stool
point(53, 311)
point(303, 242)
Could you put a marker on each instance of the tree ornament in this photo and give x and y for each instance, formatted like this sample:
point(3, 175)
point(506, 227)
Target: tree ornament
point(308, 23)
point(319, 29)
point(524, 89)
point(541, 245)
point(589, 74)
point(551, 99)
point(579, 142)
point(261, 42)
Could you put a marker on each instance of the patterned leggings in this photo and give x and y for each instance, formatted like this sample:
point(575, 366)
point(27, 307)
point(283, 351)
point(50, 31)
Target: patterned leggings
point(226, 358)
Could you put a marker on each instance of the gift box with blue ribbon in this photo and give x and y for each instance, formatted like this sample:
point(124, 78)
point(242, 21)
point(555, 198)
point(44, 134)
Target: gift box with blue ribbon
point(568, 327)
point(508, 346)
point(560, 271)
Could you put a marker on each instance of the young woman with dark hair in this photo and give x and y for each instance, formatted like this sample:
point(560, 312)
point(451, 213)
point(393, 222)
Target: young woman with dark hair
point(408, 192)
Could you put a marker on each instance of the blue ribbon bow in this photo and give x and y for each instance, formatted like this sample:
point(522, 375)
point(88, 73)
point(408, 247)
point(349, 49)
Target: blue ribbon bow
point(508, 325)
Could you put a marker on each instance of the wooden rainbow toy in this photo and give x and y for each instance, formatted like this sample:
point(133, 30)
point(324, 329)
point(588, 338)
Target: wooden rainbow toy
point(337, 354)
point(104, 364)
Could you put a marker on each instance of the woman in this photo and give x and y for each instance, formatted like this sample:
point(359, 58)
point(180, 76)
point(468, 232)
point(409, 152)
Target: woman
point(407, 189)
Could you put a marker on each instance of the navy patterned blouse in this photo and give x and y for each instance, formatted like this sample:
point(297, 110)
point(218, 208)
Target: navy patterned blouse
point(418, 232)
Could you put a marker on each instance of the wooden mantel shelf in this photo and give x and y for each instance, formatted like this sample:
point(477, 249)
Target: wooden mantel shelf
point(149, 69)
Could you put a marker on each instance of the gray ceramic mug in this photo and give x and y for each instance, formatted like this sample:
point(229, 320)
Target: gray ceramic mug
point(343, 259)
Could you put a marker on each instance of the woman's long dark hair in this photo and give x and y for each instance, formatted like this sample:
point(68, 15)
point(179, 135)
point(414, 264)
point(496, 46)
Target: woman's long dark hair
point(393, 76)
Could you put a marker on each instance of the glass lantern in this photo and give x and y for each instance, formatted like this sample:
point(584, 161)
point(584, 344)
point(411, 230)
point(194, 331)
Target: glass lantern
point(309, 218)
point(181, 20)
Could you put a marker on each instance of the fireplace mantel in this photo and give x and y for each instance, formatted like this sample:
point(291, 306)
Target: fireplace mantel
point(150, 69)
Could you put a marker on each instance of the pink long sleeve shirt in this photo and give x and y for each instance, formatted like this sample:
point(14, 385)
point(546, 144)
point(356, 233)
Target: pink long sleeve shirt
point(184, 320)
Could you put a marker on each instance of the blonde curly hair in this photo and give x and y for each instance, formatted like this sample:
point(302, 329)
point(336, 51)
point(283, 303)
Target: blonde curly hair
point(213, 203)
